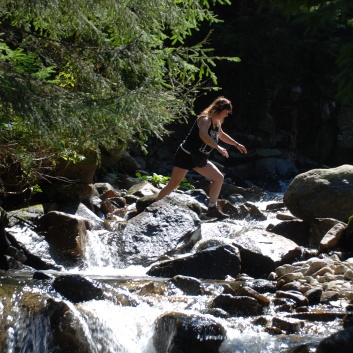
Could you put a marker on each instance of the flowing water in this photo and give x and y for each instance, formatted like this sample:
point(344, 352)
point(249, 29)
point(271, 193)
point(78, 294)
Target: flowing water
point(110, 327)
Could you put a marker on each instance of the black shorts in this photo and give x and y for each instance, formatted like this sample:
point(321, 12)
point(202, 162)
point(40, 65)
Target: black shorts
point(183, 160)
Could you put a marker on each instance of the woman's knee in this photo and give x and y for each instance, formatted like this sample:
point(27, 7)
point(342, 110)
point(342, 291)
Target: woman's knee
point(219, 178)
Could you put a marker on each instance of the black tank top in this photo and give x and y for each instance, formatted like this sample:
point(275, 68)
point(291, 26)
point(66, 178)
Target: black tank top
point(193, 143)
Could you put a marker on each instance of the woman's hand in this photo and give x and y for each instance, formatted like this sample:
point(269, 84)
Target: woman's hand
point(241, 148)
point(223, 151)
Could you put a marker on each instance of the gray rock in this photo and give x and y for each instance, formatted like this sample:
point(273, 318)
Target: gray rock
point(238, 305)
point(77, 289)
point(321, 193)
point(165, 228)
point(213, 263)
point(288, 325)
point(181, 333)
point(261, 252)
point(295, 230)
point(189, 285)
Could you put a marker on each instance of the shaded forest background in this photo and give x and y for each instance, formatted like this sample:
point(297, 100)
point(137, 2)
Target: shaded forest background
point(286, 82)
point(81, 84)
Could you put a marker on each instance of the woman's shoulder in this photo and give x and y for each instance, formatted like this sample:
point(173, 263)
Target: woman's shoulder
point(204, 118)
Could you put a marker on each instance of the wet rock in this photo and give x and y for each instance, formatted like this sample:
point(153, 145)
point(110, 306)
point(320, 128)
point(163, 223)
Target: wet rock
point(261, 321)
point(143, 202)
point(341, 341)
point(107, 207)
point(35, 247)
point(320, 316)
point(262, 285)
point(164, 229)
point(77, 288)
point(288, 278)
point(300, 299)
point(321, 193)
point(189, 285)
point(294, 285)
point(328, 296)
point(143, 188)
point(9, 263)
point(285, 216)
point(315, 266)
point(273, 331)
point(289, 325)
point(314, 295)
point(275, 206)
point(63, 329)
point(29, 215)
point(285, 308)
point(39, 275)
point(234, 211)
point(102, 188)
point(80, 210)
point(237, 305)
point(332, 238)
point(181, 333)
point(65, 233)
point(254, 212)
point(318, 228)
point(213, 263)
point(217, 313)
point(250, 292)
point(295, 230)
point(261, 252)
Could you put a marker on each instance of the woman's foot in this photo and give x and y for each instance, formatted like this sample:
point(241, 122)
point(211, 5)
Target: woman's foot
point(215, 212)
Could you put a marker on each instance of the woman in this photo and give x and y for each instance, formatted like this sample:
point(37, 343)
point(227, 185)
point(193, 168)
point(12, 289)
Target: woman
point(194, 151)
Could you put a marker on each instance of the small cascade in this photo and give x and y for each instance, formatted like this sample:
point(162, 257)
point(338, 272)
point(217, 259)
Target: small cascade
point(98, 256)
point(114, 328)
point(101, 260)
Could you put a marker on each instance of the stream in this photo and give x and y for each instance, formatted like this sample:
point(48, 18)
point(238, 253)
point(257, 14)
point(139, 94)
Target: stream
point(113, 328)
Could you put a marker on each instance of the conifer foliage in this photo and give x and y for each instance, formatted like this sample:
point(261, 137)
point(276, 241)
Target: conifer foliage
point(84, 74)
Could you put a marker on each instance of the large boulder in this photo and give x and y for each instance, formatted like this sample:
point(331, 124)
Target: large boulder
point(321, 193)
point(165, 228)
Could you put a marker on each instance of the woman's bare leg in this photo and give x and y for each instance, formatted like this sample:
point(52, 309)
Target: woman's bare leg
point(210, 171)
point(178, 174)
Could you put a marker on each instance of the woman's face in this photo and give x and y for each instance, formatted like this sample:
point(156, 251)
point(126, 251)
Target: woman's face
point(222, 114)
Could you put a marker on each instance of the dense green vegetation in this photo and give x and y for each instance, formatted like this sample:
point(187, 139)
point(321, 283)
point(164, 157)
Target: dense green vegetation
point(78, 75)
point(92, 75)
